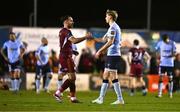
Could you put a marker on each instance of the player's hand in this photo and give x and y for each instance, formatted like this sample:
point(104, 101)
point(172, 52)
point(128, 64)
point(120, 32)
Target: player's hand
point(88, 35)
point(20, 57)
point(6, 59)
point(97, 54)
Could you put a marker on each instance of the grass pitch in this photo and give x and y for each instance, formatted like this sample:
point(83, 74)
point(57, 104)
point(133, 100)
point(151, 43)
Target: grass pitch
point(30, 101)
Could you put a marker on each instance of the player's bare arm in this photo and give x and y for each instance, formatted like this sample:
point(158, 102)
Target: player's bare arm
point(5, 57)
point(22, 51)
point(38, 58)
point(105, 47)
point(75, 40)
point(129, 57)
point(102, 39)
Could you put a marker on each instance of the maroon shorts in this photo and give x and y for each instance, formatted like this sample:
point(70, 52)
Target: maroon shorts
point(136, 70)
point(66, 64)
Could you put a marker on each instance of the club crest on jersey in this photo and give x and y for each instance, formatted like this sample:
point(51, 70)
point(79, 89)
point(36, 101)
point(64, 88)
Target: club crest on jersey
point(112, 32)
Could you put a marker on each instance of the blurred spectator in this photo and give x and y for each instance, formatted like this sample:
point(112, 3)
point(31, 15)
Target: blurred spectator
point(100, 62)
point(86, 62)
point(154, 64)
point(177, 72)
point(54, 61)
point(30, 62)
point(122, 66)
point(3, 69)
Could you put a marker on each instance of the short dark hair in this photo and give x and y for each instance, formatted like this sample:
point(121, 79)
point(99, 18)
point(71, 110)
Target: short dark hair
point(113, 13)
point(136, 42)
point(165, 37)
point(11, 33)
point(63, 18)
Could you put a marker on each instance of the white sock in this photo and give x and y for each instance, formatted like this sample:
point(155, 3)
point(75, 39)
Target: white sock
point(37, 84)
point(12, 84)
point(170, 87)
point(47, 83)
point(59, 83)
point(103, 90)
point(58, 92)
point(16, 81)
point(118, 90)
point(160, 88)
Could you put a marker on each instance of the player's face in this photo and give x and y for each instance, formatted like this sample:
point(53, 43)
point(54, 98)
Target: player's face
point(70, 22)
point(12, 37)
point(108, 17)
point(44, 41)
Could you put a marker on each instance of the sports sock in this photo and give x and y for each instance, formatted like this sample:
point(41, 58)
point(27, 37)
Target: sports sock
point(59, 83)
point(117, 89)
point(144, 89)
point(104, 87)
point(160, 88)
point(12, 84)
point(16, 81)
point(72, 89)
point(170, 87)
point(37, 84)
point(47, 83)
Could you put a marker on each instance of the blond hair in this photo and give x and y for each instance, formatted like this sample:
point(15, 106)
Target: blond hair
point(112, 13)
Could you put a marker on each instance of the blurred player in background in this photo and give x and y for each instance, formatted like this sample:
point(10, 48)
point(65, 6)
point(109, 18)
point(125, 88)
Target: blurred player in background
point(167, 50)
point(67, 65)
point(43, 68)
point(112, 41)
point(135, 58)
point(15, 50)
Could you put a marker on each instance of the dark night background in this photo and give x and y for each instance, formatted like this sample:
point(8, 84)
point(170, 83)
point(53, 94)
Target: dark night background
point(165, 14)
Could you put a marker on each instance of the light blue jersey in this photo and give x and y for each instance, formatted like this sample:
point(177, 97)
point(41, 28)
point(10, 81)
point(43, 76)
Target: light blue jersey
point(43, 53)
point(166, 52)
point(13, 50)
point(115, 32)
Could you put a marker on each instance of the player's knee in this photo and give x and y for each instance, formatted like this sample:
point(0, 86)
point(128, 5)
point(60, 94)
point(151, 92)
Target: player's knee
point(105, 81)
point(38, 77)
point(170, 78)
point(115, 81)
point(50, 76)
point(60, 77)
point(160, 79)
point(72, 79)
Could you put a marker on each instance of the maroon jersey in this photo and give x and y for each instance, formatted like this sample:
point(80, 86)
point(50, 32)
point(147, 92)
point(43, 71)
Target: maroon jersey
point(137, 54)
point(65, 44)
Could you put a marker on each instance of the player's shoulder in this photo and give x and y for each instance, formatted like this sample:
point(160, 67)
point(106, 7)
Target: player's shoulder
point(141, 48)
point(115, 26)
point(64, 30)
point(132, 49)
point(8, 42)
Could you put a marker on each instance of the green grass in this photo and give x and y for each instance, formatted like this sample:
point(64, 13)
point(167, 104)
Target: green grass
point(30, 101)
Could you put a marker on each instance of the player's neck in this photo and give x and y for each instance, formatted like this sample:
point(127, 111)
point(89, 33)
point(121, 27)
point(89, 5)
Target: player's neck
point(111, 22)
point(66, 27)
point(136, 47)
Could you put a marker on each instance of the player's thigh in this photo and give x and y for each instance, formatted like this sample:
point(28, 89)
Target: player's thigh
point(72, 76)
point(67, 64)
point(47, 70)
point(105, 74)
point(38, 72)
point(139, 70)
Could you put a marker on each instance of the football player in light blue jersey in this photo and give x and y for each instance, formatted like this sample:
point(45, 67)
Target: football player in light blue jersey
point(43, 68)
point(15, 50)
point(167, 50)
point(112, 46)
